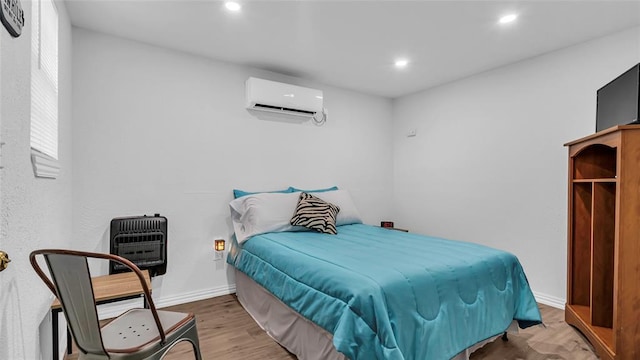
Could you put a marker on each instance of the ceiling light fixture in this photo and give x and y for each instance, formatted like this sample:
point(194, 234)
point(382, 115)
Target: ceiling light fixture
point(232, 6)
point(401, 63)
point(508, 19)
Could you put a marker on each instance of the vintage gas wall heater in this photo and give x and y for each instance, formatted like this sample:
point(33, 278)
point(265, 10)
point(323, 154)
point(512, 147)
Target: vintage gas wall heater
point(142, 240)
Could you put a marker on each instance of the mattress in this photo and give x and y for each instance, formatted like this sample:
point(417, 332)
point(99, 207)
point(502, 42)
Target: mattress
point(383, 294)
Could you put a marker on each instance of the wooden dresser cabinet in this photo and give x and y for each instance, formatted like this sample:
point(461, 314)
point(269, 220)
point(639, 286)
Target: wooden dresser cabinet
point(603, 284)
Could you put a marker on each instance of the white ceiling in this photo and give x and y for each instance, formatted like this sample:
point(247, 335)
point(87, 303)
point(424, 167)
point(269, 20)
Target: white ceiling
point(352, 44)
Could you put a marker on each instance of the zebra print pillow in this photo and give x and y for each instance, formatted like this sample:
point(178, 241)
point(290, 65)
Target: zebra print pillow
point(315, 213)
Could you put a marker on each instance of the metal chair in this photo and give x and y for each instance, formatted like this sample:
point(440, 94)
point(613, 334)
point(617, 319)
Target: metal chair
point(136, 334)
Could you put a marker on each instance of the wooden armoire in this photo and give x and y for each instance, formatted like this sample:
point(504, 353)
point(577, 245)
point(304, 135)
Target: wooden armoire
point(603, 284)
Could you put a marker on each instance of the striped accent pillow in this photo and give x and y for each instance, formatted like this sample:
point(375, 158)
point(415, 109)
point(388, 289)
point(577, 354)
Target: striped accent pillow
point(315, 213)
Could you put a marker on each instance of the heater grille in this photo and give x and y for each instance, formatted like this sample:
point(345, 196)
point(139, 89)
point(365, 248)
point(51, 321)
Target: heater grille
point(142, 240)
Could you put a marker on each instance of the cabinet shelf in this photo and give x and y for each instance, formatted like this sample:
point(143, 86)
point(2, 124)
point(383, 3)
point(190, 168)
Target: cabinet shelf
point(600, 337)
point(595, 162)
point(606, 180)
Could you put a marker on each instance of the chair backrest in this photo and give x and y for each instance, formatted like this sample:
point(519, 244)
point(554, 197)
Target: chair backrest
point(71, 283)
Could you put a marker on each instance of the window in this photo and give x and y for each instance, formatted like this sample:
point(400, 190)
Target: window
point(44, 89)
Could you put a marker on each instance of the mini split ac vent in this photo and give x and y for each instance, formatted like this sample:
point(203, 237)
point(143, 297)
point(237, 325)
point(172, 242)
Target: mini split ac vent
point(272, 96)
point(282, 109)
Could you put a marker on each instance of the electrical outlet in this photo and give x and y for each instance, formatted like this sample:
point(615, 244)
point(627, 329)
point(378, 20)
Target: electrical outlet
point(218, 255)
point(412, 132)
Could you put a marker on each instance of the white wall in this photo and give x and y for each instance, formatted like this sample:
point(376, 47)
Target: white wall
point(161, 131)
point(34, 213)
point(488, 163)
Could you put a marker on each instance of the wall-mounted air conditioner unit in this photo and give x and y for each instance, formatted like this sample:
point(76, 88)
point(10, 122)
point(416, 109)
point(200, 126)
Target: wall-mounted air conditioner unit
point(265, 95)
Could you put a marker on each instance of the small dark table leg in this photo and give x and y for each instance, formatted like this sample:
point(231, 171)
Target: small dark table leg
point(69, 345)
point(54, 330)
point(504, 337)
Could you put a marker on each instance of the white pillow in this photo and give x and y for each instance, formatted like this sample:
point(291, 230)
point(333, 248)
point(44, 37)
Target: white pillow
point(348, 213)
point(262, 213)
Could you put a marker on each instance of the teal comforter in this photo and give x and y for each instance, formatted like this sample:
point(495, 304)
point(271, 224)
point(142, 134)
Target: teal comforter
point(386, 294)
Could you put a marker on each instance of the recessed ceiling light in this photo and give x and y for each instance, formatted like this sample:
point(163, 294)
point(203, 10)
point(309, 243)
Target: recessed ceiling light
point(401, 63)
point(232, 6)
point(509, 18)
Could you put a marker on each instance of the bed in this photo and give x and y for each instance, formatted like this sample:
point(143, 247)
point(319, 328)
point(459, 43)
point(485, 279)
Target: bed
point(369, 292)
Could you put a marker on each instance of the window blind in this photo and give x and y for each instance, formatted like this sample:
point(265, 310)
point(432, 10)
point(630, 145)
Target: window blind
point(44, 88)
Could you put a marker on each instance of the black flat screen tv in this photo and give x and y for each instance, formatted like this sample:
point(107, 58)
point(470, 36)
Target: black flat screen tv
point(619, 100)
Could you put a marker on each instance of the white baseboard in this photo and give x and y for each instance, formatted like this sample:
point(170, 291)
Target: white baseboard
point(552, 301)
point(195, 296)
point(107, 311)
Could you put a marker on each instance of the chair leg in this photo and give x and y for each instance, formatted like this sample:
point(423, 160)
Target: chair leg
point(196, 351)
point(191, 336)
point(165, 351)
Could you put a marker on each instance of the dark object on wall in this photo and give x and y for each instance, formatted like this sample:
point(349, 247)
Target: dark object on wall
point(142, 240)
point(386, 224)
point(619, 100)
point(12, 16)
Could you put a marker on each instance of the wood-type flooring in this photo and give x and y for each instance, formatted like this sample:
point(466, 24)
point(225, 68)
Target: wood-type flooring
point(227, 332)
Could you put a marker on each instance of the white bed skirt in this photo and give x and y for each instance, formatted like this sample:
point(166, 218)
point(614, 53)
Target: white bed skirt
point(300, 336)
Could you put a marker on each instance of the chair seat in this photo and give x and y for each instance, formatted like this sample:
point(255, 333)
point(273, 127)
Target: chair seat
point(136, 329)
